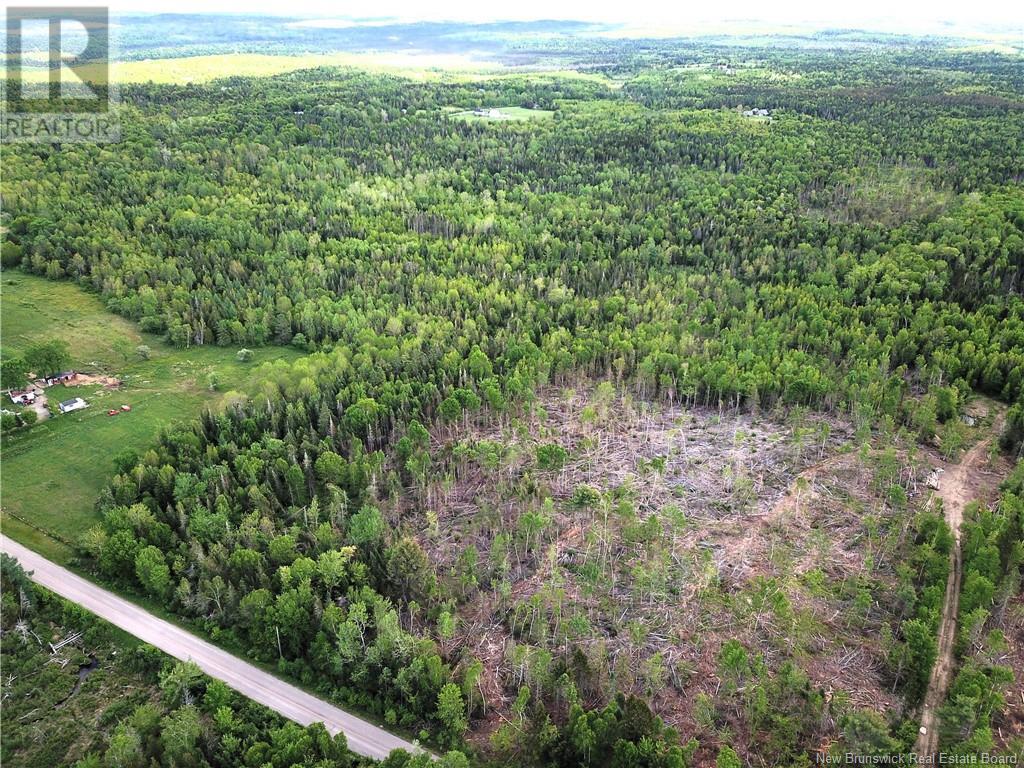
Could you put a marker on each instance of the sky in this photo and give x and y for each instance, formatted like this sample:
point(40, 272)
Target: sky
point(667, 15)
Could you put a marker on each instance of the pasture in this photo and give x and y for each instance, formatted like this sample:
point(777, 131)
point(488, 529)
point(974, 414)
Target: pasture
point(52, 473)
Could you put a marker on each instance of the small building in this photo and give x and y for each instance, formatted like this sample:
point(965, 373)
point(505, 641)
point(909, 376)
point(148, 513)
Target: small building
point(60, 378)
point(758, 113)
point(23, 398)
point(75, 404)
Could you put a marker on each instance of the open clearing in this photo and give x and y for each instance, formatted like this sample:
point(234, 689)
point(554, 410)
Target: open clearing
point(667, 531)
point(53, 472)
point(35, 308)
point(202, 69)
point(503, 114)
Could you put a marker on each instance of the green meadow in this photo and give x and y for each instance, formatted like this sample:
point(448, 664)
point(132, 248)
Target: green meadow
point(52, 473)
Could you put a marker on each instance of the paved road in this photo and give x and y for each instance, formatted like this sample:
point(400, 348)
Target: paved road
point(293, 703)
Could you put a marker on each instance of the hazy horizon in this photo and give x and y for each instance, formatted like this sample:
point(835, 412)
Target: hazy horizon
point(644, 18)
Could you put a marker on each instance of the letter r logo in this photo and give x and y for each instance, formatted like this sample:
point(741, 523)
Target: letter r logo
point(58, 59)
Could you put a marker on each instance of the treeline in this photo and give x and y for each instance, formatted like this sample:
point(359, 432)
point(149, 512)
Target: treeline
point(912, 645)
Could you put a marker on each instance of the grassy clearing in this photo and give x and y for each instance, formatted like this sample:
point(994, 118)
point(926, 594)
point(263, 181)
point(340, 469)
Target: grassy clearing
point(52, 473)
point(506, 113)
point(205, 68)
point(414, 66)
point(38, 540)
point(35, 308)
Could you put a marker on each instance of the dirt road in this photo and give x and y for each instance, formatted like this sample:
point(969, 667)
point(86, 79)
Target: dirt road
point(291, 702)
point(957, 487)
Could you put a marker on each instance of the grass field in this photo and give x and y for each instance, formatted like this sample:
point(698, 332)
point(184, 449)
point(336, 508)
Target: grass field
point(35, 308)
point(506, 113)
point(201, 69)
point(51, 474)
point(205, 68)
point(413, 66)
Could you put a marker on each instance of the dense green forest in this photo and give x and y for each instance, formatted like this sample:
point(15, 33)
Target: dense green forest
point(644, 232)
point(859, 254)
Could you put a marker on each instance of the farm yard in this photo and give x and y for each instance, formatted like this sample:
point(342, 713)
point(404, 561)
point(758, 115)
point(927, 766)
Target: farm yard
point(77, 449)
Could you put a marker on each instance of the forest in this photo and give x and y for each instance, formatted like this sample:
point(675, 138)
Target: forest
point(552, 370)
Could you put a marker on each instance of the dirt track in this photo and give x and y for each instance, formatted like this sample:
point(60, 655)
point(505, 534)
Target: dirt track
point(957, 487)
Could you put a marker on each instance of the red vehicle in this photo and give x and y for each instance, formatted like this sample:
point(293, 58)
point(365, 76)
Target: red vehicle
point(112, 412)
